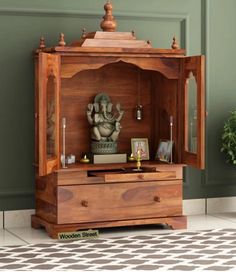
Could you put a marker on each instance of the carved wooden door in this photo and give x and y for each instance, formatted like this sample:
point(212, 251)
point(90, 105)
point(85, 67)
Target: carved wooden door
point(48, 107)
point(194, 112)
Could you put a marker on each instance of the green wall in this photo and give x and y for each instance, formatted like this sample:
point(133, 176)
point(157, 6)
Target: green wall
point(221, 85)
point(203, 27)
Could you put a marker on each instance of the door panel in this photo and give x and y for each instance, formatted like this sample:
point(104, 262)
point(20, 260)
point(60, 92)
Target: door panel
point(49, 86)
point(194, 112)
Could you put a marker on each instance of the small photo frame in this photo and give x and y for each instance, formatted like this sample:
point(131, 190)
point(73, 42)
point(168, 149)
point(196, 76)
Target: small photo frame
point(142, 145)
point(164, 151)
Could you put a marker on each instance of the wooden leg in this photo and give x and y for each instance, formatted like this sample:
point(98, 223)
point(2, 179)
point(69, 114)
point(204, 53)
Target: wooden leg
point(178, 222)
point(51, 228)
point(35, 224)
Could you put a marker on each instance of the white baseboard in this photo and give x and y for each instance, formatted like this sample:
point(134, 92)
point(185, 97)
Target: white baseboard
point(221, 204)
point(209, 205)
point(17, 219)
point(194, 206)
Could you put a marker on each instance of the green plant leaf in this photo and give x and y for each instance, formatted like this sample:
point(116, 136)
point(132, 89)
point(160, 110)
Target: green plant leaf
point(229, 138)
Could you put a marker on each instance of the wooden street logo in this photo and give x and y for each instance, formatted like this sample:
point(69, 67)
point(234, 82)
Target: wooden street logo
point(88, 234)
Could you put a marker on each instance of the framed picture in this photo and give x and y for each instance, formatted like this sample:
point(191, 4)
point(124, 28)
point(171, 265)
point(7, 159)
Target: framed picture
point(164, 150)
point(140, 144)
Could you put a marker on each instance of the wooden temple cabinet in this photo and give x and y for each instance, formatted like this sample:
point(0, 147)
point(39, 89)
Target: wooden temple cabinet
point(67, 78)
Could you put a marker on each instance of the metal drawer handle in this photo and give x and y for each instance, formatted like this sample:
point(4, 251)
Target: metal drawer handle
point(84, 203)
point(157, 199)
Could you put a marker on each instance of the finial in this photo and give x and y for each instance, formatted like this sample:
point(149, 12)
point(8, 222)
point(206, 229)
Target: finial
point(133, 33)
point(175, 44)
point(62, 40)
point(42, 43)
point(108, 23)
point(83, 33)
point(149, 42)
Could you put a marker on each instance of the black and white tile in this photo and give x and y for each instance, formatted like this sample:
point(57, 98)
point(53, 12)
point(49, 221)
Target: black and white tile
point(208, 250)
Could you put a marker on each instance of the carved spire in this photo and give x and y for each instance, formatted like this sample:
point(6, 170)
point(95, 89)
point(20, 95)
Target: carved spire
point(62, 40)
point(175, 44)
point(42, 43)
point(108, 23)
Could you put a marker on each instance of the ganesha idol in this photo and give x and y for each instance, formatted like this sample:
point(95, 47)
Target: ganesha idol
point(105, 124)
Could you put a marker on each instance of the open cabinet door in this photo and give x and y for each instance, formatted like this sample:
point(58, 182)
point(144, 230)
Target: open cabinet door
point(194, 112)
point(48, 107)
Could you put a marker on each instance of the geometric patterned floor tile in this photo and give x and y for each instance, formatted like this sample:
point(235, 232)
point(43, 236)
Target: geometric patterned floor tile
point(208, 250)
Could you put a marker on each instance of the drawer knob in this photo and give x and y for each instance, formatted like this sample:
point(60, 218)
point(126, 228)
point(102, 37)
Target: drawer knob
point(84, 203)
point(157, 199)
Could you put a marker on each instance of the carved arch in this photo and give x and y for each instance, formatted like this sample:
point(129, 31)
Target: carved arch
point(167, 67)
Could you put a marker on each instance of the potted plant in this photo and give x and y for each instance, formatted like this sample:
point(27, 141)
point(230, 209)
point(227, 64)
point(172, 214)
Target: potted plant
point(229, 139)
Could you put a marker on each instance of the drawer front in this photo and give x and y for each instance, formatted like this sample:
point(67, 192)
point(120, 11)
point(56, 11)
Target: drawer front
point(164, 175)
point(121, 201)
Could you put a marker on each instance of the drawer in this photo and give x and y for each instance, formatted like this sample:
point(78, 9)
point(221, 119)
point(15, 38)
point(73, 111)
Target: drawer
point(164, 175)
point(81, 177)
point(119, 201)
point(76, 178)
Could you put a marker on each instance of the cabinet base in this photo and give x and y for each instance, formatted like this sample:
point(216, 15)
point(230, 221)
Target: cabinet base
point(175, 222)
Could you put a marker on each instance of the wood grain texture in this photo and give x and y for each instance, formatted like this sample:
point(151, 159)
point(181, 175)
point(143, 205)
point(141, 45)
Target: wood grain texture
point(109, 35)
point(108, 202)
point(46, 211)
point(67, 178)
point(46, 197)
point(36, 112)
point(160, 166)
point(166, 97)
point(85, 174)
point(148, 52)
point(114, 43)
point(49, 66)
point(46, 188)
point(195, 65)
point(169, 67)
point(79, 91)
point(75, 198)
point(139, 176)
point(177, 222)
